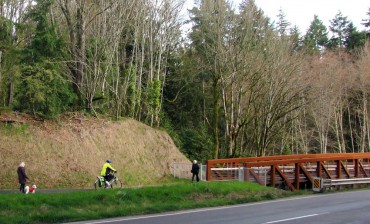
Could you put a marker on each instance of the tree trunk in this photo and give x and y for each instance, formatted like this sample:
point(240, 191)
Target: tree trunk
point(215, 117)
point(80, 56)
point(1, 75)
point(364, 131)
point(10, 93)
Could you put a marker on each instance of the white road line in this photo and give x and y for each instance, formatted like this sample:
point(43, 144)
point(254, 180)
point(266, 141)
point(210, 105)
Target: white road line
point(294, 218)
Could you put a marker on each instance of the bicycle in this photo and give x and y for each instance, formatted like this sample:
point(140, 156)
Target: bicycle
point(113, 183)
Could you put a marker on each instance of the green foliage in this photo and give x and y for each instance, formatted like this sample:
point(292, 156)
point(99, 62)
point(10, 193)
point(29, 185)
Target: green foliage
point(282, 23)
point(45, 44)
point(339, 26)
point(43, 92)
point(316, 37)
point(167, 125)
point(153, 95)
point(14, 129)
point(197, 143)
point(286, 150)
point(355, 39)
point(295, 39)
point(9, 58)
point(184, 103)
point(5, 33)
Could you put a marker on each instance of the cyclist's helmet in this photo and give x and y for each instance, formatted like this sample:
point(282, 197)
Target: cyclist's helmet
point(109, 161)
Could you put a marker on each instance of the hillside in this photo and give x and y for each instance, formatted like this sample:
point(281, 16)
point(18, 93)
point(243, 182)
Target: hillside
point(69, 153)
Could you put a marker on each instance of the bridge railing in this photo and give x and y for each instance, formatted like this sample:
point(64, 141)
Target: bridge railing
point(291, 171)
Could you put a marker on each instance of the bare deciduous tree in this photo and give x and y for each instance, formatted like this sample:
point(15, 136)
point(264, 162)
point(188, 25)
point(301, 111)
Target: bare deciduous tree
point(363, 85)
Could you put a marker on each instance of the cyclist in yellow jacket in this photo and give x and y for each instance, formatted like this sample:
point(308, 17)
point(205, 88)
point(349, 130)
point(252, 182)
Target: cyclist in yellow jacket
point(106, 171)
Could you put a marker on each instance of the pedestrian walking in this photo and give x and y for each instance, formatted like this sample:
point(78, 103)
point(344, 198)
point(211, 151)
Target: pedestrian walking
point(22, 177)
point(195, 171)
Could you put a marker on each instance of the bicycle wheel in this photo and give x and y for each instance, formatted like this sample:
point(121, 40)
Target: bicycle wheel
point(96, 185)
point(116, 184)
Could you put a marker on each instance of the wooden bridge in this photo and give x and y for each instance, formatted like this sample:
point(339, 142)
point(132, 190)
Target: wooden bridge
point(290, 171)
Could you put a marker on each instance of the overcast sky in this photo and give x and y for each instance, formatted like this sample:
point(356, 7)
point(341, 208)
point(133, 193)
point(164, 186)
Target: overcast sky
point(301, 12)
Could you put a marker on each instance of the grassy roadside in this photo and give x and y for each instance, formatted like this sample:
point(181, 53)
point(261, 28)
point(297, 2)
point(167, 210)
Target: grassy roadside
point(87, 205)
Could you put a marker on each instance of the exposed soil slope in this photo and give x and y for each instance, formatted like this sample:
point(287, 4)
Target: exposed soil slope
point(71, 151)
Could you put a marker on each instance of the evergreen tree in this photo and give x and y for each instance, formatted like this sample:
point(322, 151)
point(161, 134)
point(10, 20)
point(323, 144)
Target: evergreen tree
point(186, 100)
point(339, 26)
point(295, 38)
point(5, 34)
point(14, 32)
point(354, 39)
point(45, 44)
point(282, 23)
point(316, 37)
point(9, 60)
point(210, 35)
point(43, 90)
point(366, 22)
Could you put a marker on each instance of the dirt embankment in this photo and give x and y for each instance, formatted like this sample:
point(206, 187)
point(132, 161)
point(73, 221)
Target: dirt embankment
point(71, 151)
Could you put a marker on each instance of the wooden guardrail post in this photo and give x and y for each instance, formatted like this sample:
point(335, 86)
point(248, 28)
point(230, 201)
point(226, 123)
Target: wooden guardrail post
point(319, 169)
point(339, 169)
point(297, 175)
point(273, 176)
point(357, 168)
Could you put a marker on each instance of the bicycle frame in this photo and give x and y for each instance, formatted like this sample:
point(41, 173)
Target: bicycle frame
point(114, 181)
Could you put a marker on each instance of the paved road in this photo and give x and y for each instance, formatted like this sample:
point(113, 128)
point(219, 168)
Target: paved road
point(348, 207)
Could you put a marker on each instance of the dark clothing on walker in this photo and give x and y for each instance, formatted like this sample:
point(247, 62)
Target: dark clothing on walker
point(22, 178)
point(195, 172)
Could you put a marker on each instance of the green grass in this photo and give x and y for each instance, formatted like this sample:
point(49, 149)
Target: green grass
point(87, 205)
point(14, 129)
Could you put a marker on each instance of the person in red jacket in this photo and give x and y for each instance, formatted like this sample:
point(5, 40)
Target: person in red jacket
point(22, 177)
